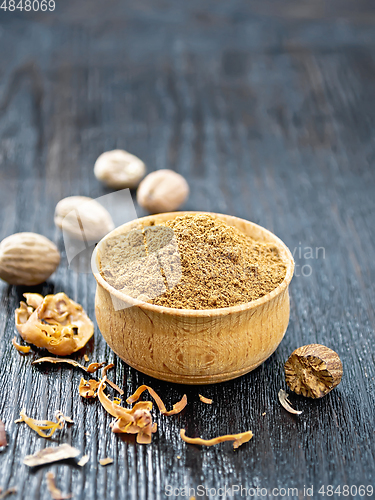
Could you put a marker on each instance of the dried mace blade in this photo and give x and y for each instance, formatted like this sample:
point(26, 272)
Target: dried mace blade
point(208, 401)
point(88, 388)
point(137, 420)
point(40, 425)
point(177, 407)
point(7, 492)
point(313, 370)
point(51, 454)
point(23, 349)
point(93, 367)
point(54, 491)
point(3, 436)
point(238, 439)
point(283, 398)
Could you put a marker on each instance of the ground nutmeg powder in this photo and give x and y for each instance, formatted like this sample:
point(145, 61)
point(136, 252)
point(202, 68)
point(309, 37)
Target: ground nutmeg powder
point(191, 262)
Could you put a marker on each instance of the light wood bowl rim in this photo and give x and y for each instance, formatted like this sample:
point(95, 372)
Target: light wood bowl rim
point(223, 311)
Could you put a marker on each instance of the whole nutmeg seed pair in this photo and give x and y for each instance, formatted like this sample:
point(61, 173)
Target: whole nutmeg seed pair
point(160, 191)
point(30, 258)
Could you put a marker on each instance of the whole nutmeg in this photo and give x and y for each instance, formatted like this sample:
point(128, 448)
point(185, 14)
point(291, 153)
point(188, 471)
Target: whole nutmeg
point(83, 218)
point(119, 169)
point(313, 370)
point(162, 191)
point(27, 259)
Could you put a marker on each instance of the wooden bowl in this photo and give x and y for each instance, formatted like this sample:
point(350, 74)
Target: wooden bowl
point(193, 346)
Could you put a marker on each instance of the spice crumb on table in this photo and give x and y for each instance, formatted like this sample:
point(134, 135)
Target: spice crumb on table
point(106, 461)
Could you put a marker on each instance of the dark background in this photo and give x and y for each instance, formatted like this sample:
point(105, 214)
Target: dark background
point(267, 108)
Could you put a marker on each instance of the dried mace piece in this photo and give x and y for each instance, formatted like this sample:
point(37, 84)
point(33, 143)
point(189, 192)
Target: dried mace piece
point(23, 349)
point(88, 388)
point(106, 461)
point(55, 493)
point(238, 439)
point(9, 491)
point(53, 322)
point(3, 436)
point(313, 370)
point(208, 401)
point(51, 454)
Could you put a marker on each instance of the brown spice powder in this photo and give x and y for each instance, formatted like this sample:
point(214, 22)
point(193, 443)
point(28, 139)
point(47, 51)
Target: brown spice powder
point(192, 262)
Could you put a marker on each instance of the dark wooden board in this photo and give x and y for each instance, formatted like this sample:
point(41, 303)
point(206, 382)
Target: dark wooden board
point(269, 113)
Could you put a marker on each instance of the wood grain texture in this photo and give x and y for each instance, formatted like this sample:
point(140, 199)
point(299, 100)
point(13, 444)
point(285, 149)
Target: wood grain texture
point(270, 118)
